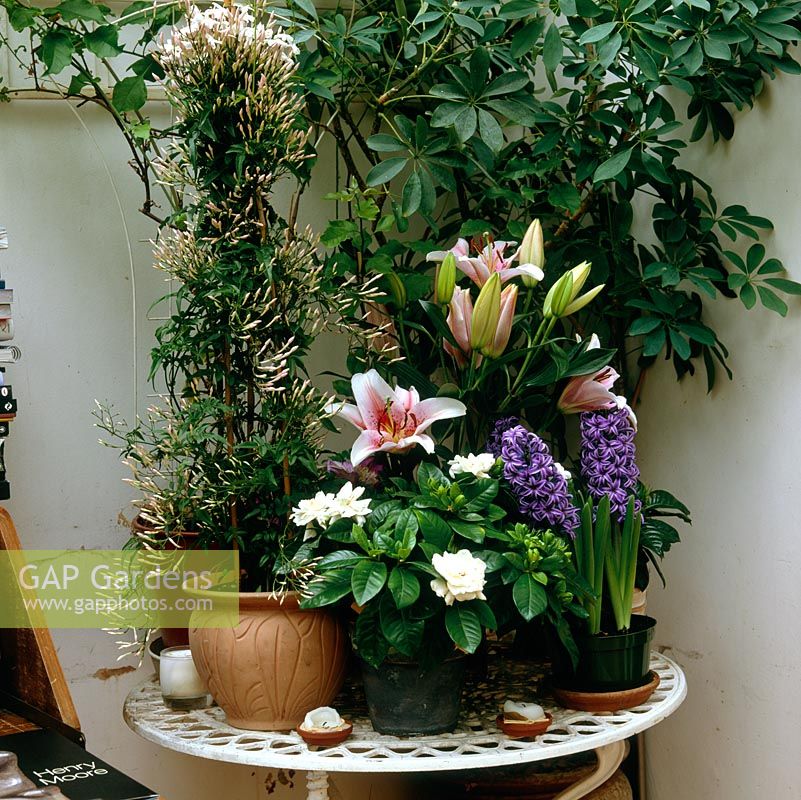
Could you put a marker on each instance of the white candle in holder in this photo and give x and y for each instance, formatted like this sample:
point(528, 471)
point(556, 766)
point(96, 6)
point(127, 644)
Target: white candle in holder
point(181, 686)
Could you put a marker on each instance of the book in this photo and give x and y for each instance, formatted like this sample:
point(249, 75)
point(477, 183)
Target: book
point(44, 759)
point(5, 311)
point(6, 330)
point(6, 295)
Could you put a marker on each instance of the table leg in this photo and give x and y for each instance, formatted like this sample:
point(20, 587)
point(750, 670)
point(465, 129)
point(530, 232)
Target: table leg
point(317, 785)
point(610, 757)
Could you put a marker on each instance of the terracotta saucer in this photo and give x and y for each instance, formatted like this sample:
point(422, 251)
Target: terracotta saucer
point(326, 738)
point(523, 729)
point(605, 701)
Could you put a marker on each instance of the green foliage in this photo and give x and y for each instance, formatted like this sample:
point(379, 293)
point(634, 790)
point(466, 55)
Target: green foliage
point(386, 567)
point(606, 558)
point(63, 45)
point(444, 109)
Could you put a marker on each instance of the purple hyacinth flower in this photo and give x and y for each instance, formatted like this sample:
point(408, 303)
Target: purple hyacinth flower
point(609, 458)
point(500, 427)
point(540, 488)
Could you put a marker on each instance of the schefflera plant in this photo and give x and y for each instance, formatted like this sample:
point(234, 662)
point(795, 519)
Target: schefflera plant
point(250, 293)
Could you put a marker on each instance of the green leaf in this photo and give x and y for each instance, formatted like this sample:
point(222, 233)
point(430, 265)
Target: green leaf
point(644, 325)
point(433, 528)
point(57, 50)
point(103, 41)
point(129, 94)
point(384, 143)
point(552, 48)
point(490, 131)
point(404, 586)
point(402, 632)
point(464, 627)
point(748, 296)
point(81, 9)
point(445, 114)
point(470, 530)
point(597, 32)
point(368, 641)
point(565, 195)
point(325, 591)
point(784, 285)
point(412, 195)
point(529, 596)
point(465, 123)
point(367, 580)
point(772, 301)
point(385, 171)
point(613, 166)
point(681, 345)
point(338, 231)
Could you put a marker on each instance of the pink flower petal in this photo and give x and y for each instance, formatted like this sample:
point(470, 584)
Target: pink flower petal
point(371, 392)
point(435, 408)
point(369, 442)
point(347, 411)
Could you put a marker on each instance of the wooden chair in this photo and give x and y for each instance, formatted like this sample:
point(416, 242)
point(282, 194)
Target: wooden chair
point(33, 689)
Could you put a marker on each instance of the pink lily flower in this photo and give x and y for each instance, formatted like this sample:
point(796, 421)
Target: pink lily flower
point(591, 392)
point(504, 329)
point(490, 259)
point(460, 321)
point(391, 420)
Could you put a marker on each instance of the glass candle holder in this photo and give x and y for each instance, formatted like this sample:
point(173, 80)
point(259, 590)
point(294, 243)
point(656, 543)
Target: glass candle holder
point(181, 686)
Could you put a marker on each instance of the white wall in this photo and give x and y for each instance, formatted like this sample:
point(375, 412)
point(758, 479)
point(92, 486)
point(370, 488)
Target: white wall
point(730, 613)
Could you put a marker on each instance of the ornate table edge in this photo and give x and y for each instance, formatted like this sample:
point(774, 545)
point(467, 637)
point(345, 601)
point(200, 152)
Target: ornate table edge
point(375, 754)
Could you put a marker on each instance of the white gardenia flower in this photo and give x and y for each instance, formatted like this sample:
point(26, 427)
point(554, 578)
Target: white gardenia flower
point(348, 505)
point(462, 577)
point(478, 465)
point(565, 473)
point(313, 510)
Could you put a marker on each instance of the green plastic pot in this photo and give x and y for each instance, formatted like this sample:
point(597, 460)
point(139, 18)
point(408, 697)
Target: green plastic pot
point(614, 662)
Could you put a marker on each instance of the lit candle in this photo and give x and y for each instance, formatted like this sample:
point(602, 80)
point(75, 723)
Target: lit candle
point(181, 686)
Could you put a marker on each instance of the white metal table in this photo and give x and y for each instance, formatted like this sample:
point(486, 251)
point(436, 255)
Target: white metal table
point(476, 743)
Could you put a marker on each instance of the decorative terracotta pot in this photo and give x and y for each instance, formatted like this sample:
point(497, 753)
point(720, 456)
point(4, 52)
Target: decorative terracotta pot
point(279, 663)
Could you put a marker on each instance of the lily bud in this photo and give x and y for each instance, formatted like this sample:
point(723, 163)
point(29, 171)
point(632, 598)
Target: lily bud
point(397, 289)
point(460, 321)
point(505, 320)
point(582, 301)
point(580, 275)
point(486, 313)
point(558, 297)
point(445, 281)
point(532, 251)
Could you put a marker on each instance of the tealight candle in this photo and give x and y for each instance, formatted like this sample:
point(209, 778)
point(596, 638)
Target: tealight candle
point(181, 686)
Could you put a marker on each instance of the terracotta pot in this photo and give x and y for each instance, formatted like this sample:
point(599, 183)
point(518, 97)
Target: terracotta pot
point(278, 664)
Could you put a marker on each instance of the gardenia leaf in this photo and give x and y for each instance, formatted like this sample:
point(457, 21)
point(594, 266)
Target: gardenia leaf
point(529, 596)
point(464, 627)
point(367, 580)
point(404, 586)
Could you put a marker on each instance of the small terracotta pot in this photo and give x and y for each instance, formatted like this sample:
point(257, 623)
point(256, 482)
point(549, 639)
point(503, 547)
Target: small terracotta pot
point(278, 664)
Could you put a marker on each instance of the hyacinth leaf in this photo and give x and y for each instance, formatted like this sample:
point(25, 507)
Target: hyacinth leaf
point(464, 627)
point(601, 544)
point(367, 580)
